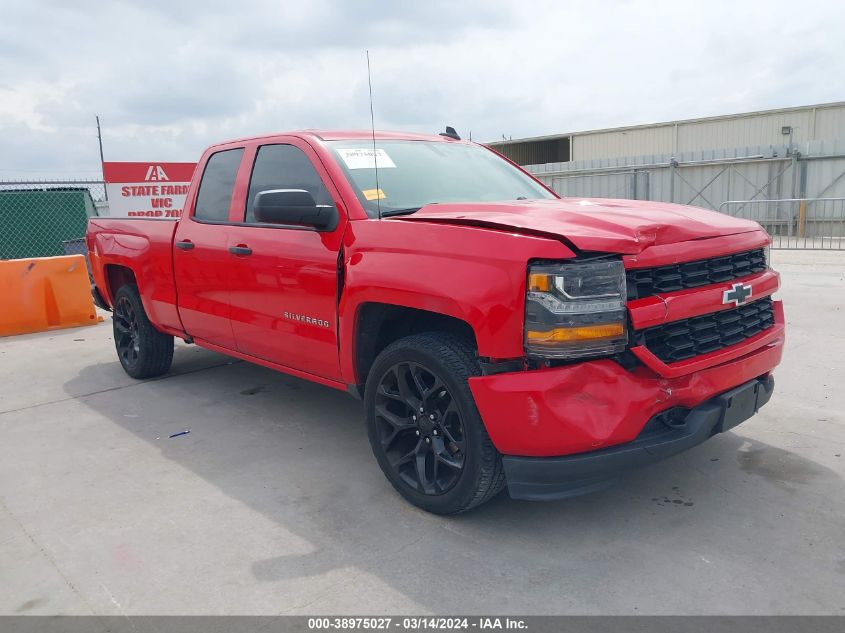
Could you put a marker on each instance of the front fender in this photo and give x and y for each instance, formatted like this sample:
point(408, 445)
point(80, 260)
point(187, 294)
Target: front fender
point(472, 274)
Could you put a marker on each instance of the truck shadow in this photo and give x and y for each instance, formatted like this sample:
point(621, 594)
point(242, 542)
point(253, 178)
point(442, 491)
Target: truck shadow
point(297, 453)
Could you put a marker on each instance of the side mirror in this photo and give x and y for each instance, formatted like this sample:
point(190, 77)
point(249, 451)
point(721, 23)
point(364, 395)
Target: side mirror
point(294, 207)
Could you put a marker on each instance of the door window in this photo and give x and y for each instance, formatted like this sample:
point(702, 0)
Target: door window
point(283, 167)
point(218, 181)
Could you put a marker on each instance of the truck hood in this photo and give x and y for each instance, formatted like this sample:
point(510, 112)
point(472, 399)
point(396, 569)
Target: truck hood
point(592, 224)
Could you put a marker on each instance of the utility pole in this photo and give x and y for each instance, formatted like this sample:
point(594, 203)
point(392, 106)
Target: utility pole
point(102, 160)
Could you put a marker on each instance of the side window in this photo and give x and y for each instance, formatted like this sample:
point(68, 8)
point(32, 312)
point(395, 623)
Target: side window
point(218, 181)
point(284, 167)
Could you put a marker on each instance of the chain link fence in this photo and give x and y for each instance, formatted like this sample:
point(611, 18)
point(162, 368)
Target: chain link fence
point(46, 218)
point(798, 197)
point(805, 223)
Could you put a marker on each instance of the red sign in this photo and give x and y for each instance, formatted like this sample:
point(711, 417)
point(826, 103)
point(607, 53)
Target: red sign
point(155, 190)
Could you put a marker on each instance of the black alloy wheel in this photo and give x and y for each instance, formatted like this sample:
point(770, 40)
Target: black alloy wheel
point(420, 428)
point(143, 351)
point(127, 340)
point(424, 428)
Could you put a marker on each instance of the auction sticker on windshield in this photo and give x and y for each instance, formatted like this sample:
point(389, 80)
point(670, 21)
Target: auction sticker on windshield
point(363, 158)
point(374, 194)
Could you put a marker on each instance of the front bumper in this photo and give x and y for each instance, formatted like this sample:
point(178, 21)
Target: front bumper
point(597, 404)
point(669, 433)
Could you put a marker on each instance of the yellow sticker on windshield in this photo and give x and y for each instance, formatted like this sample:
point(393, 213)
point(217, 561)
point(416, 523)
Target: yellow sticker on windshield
point(374, 194)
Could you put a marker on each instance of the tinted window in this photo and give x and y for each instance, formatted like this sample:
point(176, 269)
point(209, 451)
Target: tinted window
point(284, 167)
point(218, 182)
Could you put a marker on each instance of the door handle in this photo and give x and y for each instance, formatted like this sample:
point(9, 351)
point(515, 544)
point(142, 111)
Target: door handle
point(185, 245)
point(240, 250)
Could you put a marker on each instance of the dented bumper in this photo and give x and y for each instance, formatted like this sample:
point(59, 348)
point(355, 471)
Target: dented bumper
point(541, 478)
point(599, 404)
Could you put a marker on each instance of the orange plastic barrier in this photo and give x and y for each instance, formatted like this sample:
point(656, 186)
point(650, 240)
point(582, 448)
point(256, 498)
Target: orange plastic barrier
point(44, 293)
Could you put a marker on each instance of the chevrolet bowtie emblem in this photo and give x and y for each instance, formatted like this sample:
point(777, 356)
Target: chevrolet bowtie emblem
point(738, 294)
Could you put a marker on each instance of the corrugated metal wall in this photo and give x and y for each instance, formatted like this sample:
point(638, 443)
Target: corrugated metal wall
point(701, 178)
point(829, 123)
point(751, 130)
point(811, 123)
point(631, 142)
point(764, 128)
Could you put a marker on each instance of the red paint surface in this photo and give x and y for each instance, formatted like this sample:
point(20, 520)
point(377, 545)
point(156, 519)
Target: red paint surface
point(144, 247)
point(611, 226)
point(597, 404)
point(467, 261)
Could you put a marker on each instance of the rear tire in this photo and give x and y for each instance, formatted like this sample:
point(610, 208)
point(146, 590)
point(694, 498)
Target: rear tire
point(424, 428)
point(143, 351)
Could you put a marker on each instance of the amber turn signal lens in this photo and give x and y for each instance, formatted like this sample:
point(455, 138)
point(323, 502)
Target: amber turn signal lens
point(539, 282)
point(580, 333)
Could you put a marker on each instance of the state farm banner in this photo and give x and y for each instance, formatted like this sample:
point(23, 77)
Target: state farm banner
point(155, 190)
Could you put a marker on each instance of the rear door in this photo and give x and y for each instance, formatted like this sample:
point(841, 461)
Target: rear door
point(284, 279)
point(201, 259)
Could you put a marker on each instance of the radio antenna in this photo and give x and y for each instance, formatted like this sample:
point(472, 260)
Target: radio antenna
point(373, 128)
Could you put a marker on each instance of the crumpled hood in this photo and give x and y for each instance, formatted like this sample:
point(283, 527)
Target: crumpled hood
point(592, 224)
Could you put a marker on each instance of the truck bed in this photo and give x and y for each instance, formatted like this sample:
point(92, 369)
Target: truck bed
point(141, 248)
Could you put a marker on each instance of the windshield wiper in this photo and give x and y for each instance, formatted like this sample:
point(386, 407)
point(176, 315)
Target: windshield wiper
point(408, 211)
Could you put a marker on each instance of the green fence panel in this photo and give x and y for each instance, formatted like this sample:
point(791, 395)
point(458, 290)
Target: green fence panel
point(34, 223)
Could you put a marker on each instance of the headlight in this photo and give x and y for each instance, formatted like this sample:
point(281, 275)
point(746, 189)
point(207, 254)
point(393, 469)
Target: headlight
point(574, 310)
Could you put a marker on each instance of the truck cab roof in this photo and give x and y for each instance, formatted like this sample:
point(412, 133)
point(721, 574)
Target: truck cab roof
point(347, 135)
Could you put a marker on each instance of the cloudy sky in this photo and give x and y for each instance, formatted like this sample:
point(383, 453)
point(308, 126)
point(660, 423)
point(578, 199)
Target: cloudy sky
point(169, 77)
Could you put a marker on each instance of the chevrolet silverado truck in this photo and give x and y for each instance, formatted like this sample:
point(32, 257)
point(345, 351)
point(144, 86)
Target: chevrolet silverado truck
point(499, 335)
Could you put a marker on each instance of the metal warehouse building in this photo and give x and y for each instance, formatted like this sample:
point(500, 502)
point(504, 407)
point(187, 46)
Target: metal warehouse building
point(784, 168)
point(769, 127)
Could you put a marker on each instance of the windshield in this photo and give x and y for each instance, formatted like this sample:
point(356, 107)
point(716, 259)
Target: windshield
point(412, 174)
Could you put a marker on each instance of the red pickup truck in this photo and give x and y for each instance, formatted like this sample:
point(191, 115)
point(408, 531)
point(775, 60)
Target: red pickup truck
point(498, 335)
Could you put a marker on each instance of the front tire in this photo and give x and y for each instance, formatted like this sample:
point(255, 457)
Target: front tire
point(424, 428)
point(143, 351)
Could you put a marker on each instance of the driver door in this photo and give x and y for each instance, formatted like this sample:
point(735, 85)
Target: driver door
point(284, 279)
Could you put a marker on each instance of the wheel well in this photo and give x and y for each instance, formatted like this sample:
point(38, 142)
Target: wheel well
point(379, 324)
point(117, 276)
